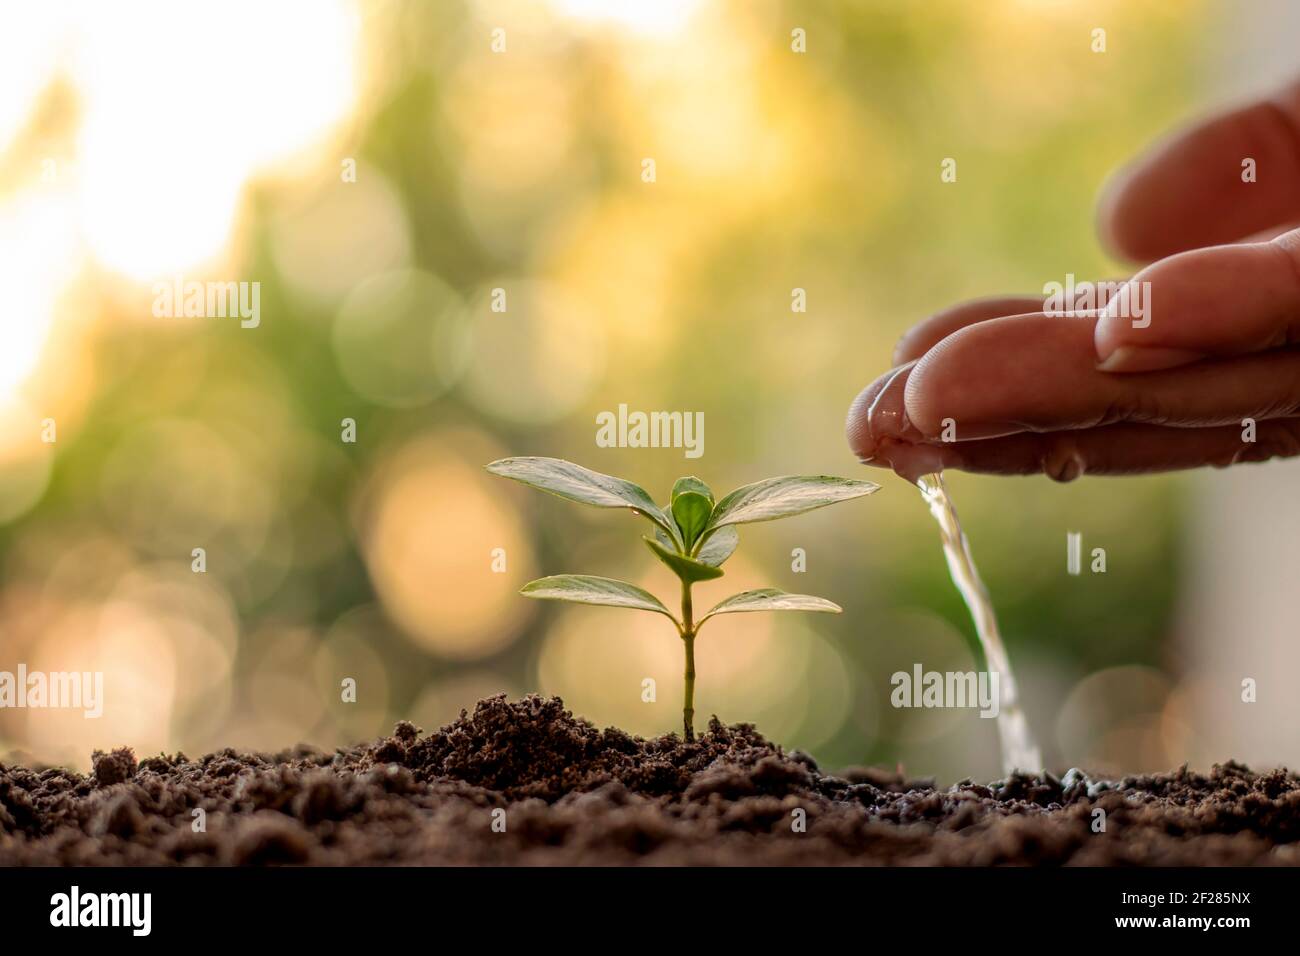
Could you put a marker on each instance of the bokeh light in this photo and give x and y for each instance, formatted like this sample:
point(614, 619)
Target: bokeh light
point(642, 16)
point(430, 524)
point(327, 242)
point(400, 339)
point(538, 360)
point(25, 460)
point(1112, 720)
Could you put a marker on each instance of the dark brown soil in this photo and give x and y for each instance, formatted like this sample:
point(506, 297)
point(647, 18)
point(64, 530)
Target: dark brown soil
point(573, 794)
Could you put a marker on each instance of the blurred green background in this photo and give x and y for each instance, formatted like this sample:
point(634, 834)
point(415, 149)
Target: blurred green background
point(215, 144)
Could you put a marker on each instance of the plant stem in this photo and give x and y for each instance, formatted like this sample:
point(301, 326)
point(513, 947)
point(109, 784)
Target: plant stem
point(688, 638)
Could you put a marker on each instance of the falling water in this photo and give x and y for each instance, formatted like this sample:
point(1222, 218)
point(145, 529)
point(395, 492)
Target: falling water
point(1019, 752)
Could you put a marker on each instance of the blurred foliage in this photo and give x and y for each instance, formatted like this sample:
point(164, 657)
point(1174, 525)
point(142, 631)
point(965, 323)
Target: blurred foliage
point(521, 171)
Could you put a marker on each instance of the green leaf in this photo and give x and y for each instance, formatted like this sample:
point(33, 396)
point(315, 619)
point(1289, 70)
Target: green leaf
point(770, 599)
point(662, 536)
point(691, 511)
point(691, 483)
point(688, 569)
point(719, 546)
point(567, 480)
point(775, 498)
point(672, 541)
point(590, 589)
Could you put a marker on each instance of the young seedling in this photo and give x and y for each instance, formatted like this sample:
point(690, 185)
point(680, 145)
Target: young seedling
point(693, 536)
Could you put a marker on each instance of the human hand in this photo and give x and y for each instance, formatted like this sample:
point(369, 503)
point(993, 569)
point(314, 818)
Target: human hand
point(1208, 376)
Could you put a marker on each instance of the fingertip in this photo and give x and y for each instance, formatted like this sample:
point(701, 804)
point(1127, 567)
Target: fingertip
point(857, 428)
point(1128, 225)
point(918, 403)
point(878, 415)
point(1128, 337)
point(1113, 335)
point(1213, 301)
point(937, 389)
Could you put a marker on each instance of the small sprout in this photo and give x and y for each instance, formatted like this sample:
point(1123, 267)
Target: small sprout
point(693, 536)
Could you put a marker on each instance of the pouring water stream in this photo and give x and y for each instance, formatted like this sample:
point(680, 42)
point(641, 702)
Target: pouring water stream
point(1019, 751)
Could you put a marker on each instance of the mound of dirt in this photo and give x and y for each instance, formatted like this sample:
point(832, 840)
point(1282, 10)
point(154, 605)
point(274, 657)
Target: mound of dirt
point(527, 783)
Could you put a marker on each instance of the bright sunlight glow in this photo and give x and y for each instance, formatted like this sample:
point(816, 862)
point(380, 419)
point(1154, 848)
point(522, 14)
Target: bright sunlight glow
point(178, 107)
point(652, 17)
point(183, 106)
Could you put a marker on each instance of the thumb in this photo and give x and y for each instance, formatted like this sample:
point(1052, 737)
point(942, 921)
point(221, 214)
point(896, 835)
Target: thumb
point(1207, 303)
